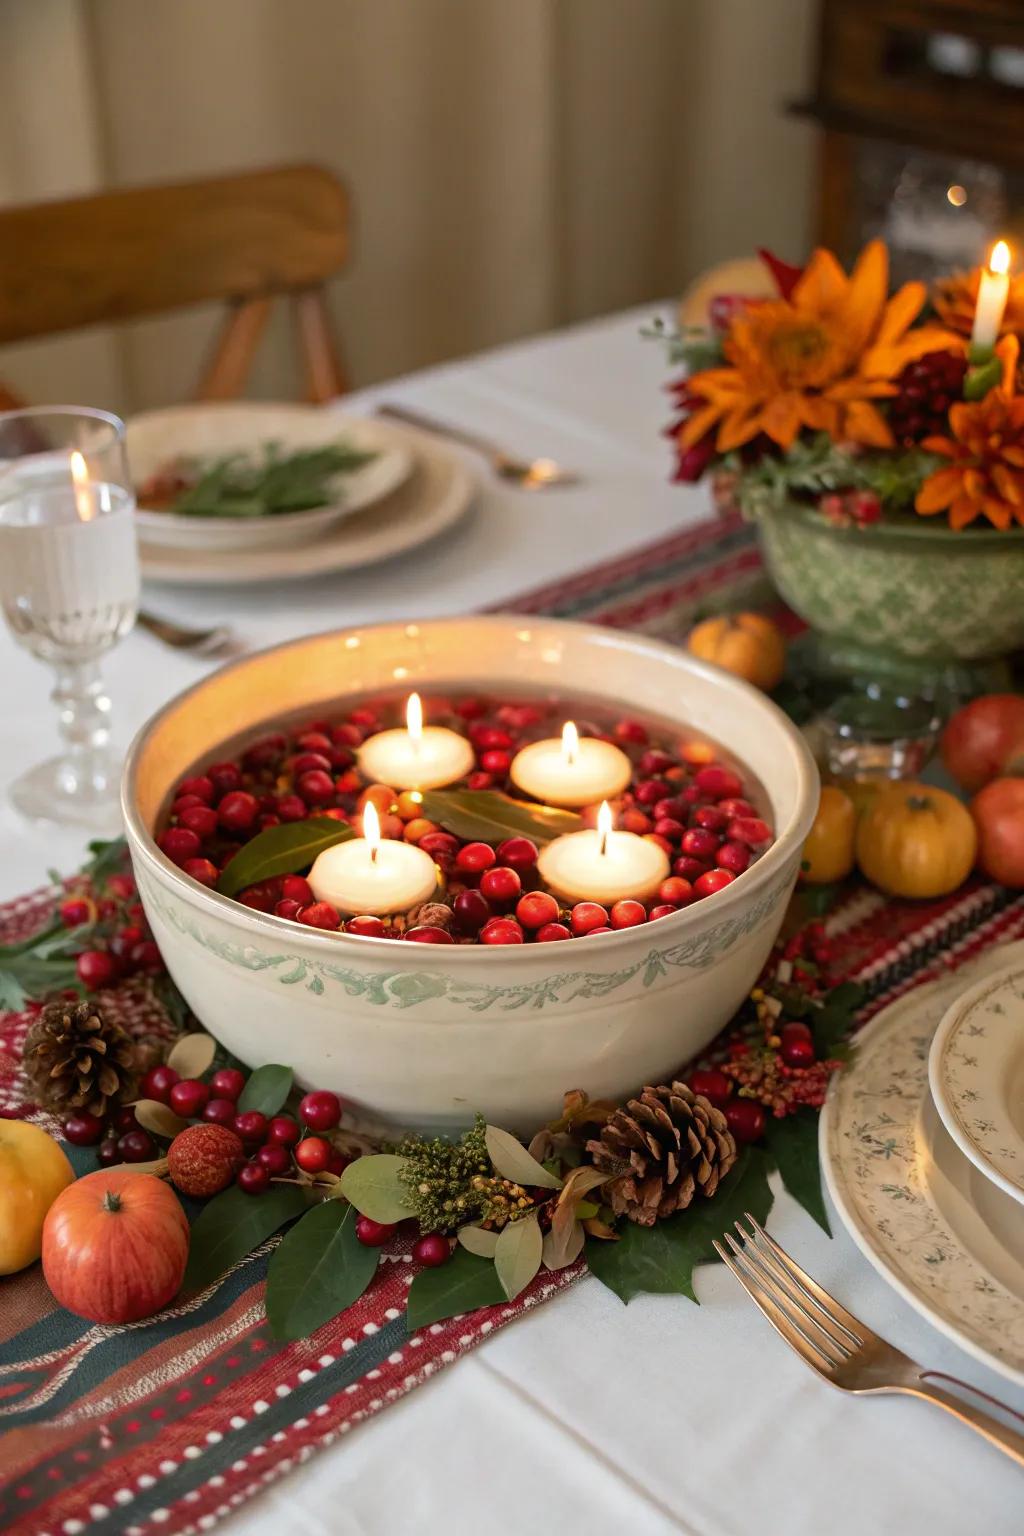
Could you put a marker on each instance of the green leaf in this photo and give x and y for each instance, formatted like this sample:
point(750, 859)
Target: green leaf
point(662, 1258)
point(517, 1254)
point(832, 1022)
point(373, 1186)
point(284, 850)
point(793, 1143)
point(108, 858)
point(319, 1269)
point(461, 1285)
point(512, 1161)
point(482, 815)
point(232, 1224)
point(479, 1240)
point(267, 1089)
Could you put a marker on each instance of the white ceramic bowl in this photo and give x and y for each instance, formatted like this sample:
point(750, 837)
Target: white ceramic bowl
point(426, 1037)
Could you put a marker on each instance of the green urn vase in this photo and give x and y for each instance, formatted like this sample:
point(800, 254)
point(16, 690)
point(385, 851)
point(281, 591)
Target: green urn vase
point(905, 601)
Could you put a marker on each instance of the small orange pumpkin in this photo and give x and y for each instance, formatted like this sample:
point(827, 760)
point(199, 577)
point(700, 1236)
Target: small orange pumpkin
point(916, 841)
point(828, 851)
point(746, 644)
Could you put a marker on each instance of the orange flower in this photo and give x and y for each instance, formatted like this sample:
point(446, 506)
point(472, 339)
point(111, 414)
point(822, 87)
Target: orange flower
point(985, 477)
point(817, 360)
point(956, 297)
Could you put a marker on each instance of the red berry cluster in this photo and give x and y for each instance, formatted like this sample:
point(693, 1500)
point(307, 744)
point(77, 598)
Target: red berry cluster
point(683, 798)
point(927, 388)
point(117, 942)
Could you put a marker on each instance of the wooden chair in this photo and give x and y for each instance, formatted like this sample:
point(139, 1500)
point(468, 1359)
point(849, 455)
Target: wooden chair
point(147, 250)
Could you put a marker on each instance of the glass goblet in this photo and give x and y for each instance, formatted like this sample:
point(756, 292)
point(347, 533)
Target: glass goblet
point(69, 587)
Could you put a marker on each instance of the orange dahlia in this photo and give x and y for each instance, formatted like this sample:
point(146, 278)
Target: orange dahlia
point(985, 476)
point(956, 298)
point(818, 359)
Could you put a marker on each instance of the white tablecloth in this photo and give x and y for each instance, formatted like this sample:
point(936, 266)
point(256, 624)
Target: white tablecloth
point(585, 1416)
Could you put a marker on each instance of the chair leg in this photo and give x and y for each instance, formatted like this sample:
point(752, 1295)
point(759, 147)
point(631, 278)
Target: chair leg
point(228, 368)
point(325, 374)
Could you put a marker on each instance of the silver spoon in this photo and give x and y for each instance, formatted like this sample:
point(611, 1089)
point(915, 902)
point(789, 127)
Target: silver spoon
point(221, 640)
point(528, 474)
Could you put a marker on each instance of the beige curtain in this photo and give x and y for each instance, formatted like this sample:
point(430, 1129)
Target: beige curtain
point(514, 164)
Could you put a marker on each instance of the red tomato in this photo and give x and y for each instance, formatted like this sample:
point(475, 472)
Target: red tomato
point(982, 738)
point(998, 813)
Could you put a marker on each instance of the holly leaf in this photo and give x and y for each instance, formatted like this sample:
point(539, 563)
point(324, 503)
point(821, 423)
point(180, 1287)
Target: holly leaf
point(232, 1224)
point(832, 1023)
point(266, 1090)
point(483, 815)
point(662, 1258)
point(374, 1187)
point(461, 1285)
point(793, 1143)
point(284, 850)
point(318, 1270)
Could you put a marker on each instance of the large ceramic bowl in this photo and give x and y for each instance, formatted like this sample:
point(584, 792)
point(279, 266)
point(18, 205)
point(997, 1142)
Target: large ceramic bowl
point(426, 1037)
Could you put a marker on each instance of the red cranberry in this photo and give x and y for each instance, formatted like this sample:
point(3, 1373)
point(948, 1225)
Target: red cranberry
point(668, 828)
point(631, 731)
point(158, 1082)
point(711, 817)
point(107, 1152)
point(427, 933)
point(310, 762)
point(253, 1178)
point(96, 968)
point(479, 780)
point(733, 857)
point(237, 811)
point(320, 1110)
point(347, 735)
point(202, 870)
point(225, 777)
point(75, 911)
point(147, 957)
point(227, 1083)
point(123, 1119)
point(500, 885)
point(735, 807)
point(184, 803)
point(291, 808)
point(251, 1125)
point(650, 791)
point(277, 1160)
point(746, 1119)
point(136, 1147)
point(179, 844)
point(83, 1129)
point(122, 886)
point(297, 888)
point(536, 908)
point(431, 1250)
point(714, 880)
point(316, 787)
point(189, 1098)
point(474, 857)
point(488, 737)
point(520, 716)
point(471, 709)
point(717, 783)
point(201, 786)
point(365, 717)
point(289, 909)
point(366, 926)
point(552, 932)
point(663, 909)
point(261, 897)
point(200, 819)
point(320, 915)
point(283, 1130)
point(689, 869)
point(220, 1112)
point(314, 741)
point(750, 830)
point(628, 914)
point(125, 941)
point(654, 763)
point(675, 807)
point(519, 853)
point(313, 1154)
point(796, 1045)
point(587, 915)
point(440, 845)
point(472, 911)
point(373, 1233)
point(592, 933)
point(675, 890)
point(265, 753)
point(699, 843)
point(501, 930)
point(712, 1084)
point(497, 762)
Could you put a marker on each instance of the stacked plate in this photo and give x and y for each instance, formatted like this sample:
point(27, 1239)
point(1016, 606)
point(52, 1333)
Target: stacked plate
point(922, 1143)
point(412, 488)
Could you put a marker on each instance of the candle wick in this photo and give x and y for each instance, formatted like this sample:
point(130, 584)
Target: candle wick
point(373, 853)
point(602, 846)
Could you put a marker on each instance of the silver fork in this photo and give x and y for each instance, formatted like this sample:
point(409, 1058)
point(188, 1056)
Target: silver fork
point(528, 474)
point(218, 640)
point(838, 1345)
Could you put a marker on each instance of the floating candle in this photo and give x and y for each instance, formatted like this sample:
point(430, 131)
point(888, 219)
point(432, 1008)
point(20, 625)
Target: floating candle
point(602, 865)
point(578, 770)
point(373, 875)
point(418, 757)
point(993, 292)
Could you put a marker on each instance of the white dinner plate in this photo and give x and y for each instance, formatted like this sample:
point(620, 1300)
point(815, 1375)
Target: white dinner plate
point(943, 1235)
point(212, 431)
point(976, 1070)
point(435, 496)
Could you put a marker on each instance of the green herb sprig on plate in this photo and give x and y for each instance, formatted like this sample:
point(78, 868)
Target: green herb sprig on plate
point(238, 486)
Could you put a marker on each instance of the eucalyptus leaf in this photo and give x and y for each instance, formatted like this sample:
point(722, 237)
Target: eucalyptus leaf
point(484, 815)
point(563, 1244)
point(479, 1240)
point(373, 1186)
point(285, 850)
point(517, 1255)
point(193, 1054)
point(233, 1223)
point(793, 1143)
point(318, 1270)
point(266, 1090)
point(512, 1161)
point(158, 1119)
point(462, 1285)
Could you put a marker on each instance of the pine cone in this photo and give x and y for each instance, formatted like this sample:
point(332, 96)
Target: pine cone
point(666, 1146)
point(74, 1058)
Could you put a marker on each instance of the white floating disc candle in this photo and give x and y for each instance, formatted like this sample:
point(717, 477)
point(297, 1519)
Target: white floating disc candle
point(602, 865)
point(418, 756)
point(577, 770)
point(373, 875)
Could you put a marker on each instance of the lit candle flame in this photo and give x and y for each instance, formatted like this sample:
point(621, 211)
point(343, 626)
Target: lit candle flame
point(371, 828)
point(604, 827)
point(84, 504)
point(414, 719)
point(570, 742)
point(999, 261)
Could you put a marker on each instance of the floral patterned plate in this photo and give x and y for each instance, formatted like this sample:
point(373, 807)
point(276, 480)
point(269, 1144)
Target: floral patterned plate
point(941, 1233)
point(976, 1070)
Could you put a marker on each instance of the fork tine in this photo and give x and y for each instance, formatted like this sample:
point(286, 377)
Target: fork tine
point(834, 1351)
point(859, 1332)
point(765, 1302)
point(843, 1340)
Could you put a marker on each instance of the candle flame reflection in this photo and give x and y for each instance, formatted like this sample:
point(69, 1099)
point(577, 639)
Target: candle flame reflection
point(999, 261)
point(371, 828)
point(570, 742)
point(84, 504)
point(604, 826)
point(414, 718)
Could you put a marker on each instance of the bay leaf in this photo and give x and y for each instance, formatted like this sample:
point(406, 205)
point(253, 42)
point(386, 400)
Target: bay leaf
point(267, 1089)
point(193, 1054)
point(484, 815)
point(285, 850)
point(318, 1270)
point(158, 1119)
point(517, 1255)
point(512, 1160)
point(233, 1223)
point(374, 1188)
point(478, 1240)
point(461, 1285)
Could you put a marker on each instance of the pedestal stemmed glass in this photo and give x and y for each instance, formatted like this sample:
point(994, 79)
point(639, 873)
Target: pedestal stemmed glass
point(69, 587)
